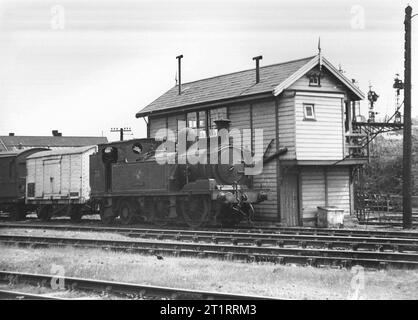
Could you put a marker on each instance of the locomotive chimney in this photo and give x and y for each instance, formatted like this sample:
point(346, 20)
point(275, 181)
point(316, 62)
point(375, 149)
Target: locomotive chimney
point(179, 60)
point(257, 68)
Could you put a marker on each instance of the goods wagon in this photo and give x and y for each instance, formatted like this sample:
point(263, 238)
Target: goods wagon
point(58, 182)
point(12, 182)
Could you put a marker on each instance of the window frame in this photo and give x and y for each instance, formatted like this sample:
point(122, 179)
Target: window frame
point(207, 128)
point(314, 76)
point(201, 130)
point(305, 113)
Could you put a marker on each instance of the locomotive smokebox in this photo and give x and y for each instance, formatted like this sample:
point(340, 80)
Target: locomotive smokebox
point(222, 124)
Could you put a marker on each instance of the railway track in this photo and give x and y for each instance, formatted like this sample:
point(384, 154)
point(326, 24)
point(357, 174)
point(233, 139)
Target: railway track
point(86, 226)
point(300, 255)
point(122, 289)
point(385, 223)
point(16, 295)
point(256, 239)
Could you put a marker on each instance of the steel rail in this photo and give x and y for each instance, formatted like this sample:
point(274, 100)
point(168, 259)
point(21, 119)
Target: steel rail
point(124, 289)
point(261, 229)
point(387, 223)
point(281, 240)
point(17, 295)
point(314, 257)
point(329, 231)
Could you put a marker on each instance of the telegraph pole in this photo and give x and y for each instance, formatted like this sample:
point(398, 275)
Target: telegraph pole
point(121, 131)
point(407, 139)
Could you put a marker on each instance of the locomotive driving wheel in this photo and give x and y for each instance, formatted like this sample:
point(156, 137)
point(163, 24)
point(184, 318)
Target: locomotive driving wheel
point(195, 210)
point(160, 212)
point(106, 213)
point(126, 213)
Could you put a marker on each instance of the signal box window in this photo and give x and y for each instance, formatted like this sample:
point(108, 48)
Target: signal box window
point(309, 112)
point(192, 120)
point(197, 121)
point(201, 124)
point(314, 79)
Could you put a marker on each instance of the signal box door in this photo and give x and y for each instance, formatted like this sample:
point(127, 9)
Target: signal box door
point(289, 200)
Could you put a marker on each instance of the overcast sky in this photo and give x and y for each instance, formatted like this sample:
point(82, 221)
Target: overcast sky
point(83, 67)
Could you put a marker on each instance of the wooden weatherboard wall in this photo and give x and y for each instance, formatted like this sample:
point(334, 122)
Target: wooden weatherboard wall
point(320, 138)
point(324, 186)
point(264, 117)
point(241, 119)
point(156, 123)
point(287, 125)
point(338, 185)
point(312, 180)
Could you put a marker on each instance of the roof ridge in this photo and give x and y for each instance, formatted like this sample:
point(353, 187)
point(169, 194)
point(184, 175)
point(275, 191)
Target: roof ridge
point(235, 72)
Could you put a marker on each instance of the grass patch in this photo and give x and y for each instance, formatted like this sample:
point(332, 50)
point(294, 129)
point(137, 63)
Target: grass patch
point(68, 234)
point(266, 279)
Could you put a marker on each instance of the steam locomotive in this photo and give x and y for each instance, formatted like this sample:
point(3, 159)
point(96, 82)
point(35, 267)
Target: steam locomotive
point(127, 179)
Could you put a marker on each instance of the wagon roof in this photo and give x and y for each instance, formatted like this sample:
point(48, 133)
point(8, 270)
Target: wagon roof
point(16, 143)
point(273, 79)
point(63, 151)
point(5, 154)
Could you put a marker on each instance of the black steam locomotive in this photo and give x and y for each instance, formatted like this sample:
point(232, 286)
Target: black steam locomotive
point(128, 180)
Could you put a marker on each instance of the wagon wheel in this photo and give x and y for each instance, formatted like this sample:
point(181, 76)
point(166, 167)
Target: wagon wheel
point(160, 212)
point(76, 213)
point(45, 213)
point(18, 212)
point(195, 210)
point(127, 213)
